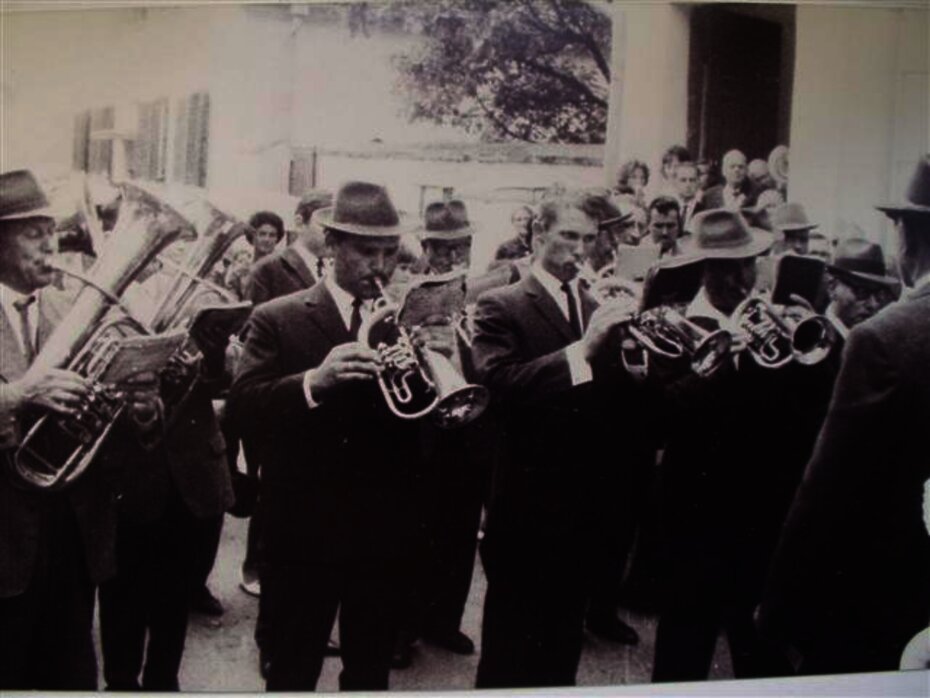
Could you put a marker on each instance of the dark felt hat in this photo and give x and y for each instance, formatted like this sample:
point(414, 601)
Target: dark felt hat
point(917, 198)
point(723, 234)
point(445, 220)
point(361, 208)
point(859, 261)
point(22, 197)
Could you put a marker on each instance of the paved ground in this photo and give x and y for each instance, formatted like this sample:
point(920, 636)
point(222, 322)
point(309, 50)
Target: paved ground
point(221, 654)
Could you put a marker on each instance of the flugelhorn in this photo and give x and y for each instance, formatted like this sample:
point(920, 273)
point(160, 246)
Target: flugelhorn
point(417, 381)
point(664, 331)
point(775, 338)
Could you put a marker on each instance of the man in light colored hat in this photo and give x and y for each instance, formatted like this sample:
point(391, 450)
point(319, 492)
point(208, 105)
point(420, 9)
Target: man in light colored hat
point(54, 548)
point(339, 500)
point(848, 587)
point(790, 223)
point(722, 496)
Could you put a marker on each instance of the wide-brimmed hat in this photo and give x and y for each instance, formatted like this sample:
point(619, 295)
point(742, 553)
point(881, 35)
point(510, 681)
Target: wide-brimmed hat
point(858, 260)
point(361, 208)
point(723, 234)
point(917, 198)
point(22, 197)
point(445, 220)
point(790, 218)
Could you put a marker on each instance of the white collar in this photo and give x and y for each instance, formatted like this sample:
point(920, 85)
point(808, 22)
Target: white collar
point(839, 325)
point(8, 299)
point(552, 285)
point(701, 306)
point(343, 300)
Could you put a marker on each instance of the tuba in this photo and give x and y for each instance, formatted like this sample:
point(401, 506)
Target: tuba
point(59, 448)
point(414, 380)
point(774, 338)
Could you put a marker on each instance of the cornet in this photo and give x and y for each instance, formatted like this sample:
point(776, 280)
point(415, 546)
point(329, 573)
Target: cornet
point(414, 380)
point(774, 339)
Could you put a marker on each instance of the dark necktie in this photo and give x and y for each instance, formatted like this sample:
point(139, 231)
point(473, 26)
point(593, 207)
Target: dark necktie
point(573, 318)
point(22, 307)
point(355, 320)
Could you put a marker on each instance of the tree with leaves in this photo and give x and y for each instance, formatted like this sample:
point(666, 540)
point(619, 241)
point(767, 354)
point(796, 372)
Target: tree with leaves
point(528, 70)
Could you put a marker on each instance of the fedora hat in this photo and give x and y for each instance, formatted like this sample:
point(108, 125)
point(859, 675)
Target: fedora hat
point(790, 218)
point(445, 220)
point(723, 234)
point(917, 198)
point(858, 260)
point(22, 197)
point(361, 208)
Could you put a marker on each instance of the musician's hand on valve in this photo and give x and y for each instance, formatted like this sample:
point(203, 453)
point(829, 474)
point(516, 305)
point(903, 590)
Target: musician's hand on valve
point(54, 389)
point(605, 318)
point(345, 363)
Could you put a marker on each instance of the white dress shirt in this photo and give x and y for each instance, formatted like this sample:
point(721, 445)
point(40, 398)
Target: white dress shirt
point(578, 366)
point(701, 306)
point(733, 199)
point(343, 300)
point(8, 297)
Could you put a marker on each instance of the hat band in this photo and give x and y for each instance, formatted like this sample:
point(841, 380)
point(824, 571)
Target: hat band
point(861, 266)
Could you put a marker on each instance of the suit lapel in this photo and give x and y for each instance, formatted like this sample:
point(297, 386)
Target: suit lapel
point(325, 315)
point(547, 307)
point(296, 264)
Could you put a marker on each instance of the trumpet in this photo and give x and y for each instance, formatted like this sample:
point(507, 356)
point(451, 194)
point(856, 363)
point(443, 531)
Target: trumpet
point(664, 331)
point(774, 338)
point(414, 380)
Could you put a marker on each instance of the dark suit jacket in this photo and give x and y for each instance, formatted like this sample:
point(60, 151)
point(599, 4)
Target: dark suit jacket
point(713, 197)
point(555, 490)
point(277, 275)
point(22, 511)
point(852, 574)
point(338, 481)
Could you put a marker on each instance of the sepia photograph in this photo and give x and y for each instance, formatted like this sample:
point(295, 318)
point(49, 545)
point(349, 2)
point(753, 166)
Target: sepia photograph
point(549, 346)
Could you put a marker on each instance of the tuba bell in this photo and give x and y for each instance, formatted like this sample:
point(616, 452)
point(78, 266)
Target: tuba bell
point(774, 338)
point(417, 381)
point(59, 448)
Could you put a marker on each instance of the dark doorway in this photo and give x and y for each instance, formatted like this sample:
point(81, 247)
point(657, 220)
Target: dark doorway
point(739, 79)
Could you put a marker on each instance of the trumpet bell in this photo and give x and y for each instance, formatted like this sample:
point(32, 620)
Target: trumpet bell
point(459, 402)
point(812, 340)
point(710, 353)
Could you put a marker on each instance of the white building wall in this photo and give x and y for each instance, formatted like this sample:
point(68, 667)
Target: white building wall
point(860, 111)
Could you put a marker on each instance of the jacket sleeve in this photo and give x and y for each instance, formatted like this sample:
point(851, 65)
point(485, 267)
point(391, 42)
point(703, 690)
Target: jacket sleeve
point(262, 386)
point(501, 364)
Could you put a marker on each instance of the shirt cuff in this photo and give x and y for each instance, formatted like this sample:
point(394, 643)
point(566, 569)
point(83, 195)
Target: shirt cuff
point(578, 366)
point(311, 403)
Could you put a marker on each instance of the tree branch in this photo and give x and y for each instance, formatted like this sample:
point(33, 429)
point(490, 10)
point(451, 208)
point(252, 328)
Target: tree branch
point(566, 79)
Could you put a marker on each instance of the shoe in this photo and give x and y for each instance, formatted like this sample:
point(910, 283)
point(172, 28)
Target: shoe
point(203, 601)
point(609, 627)
point(250, 584)
point(455, 641)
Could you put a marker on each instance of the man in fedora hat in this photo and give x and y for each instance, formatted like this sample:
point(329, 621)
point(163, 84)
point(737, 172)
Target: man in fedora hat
point(858, 285)
point(446, 237)
point(723, 495)
point(339, 489)
point(848, 586)
point(789, 222)
point(544, 351)
point(54, 548)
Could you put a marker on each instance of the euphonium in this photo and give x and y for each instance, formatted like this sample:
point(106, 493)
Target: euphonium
point(414, 380)
point(774, 338)
point(59, 448)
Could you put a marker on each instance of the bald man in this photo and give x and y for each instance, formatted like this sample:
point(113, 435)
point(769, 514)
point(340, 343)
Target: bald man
point(737, 191)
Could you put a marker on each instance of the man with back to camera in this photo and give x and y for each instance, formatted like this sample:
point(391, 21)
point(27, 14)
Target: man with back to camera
point(341, 487)
point(848, 587)
point(541, 348)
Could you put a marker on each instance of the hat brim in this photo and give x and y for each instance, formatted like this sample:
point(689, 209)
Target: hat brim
point(460, 234)
point(900, 209)
point(761, 241)
point(44, 212)
point(324, 218)
point(861, 276)
point(796, 227)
